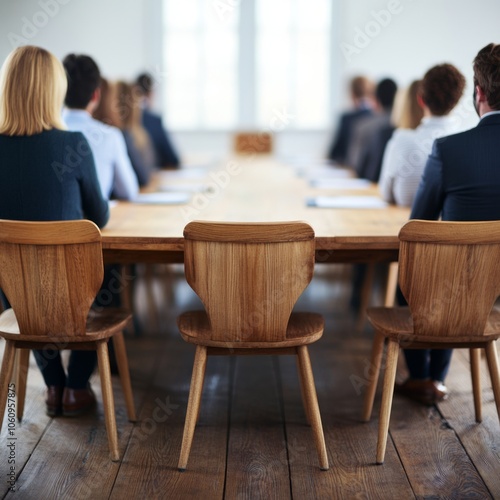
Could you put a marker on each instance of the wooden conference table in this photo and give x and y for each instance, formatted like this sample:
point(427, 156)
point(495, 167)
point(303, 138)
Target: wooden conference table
point(253, 189)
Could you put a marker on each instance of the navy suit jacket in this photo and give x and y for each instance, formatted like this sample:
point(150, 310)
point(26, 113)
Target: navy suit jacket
point(165, 153)
point(461, 180)
point(340, 145)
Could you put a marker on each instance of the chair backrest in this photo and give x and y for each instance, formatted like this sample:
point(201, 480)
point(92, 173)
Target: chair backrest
point(248, 276)
point(253, 142)
point(50, 273)
point(449, 272)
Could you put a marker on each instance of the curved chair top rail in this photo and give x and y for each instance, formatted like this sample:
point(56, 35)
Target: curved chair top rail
point(49, 233)
point(249, 232)
point(442, 232)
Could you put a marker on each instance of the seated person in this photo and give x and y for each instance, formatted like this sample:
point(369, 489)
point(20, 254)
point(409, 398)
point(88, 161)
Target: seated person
point(114, 170)
point(41, 181)
point(410, 113)
point(406, 153)
point(371, 134)
point(460, 182)
point(362, 99)
point(120, 107)
point(166, 157)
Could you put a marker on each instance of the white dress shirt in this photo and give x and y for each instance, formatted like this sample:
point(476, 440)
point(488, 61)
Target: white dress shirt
point(406, 155)
point(114, 170)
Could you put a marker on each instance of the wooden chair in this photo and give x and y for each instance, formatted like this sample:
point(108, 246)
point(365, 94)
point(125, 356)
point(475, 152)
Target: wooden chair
point(450, 276)
point(253, 142)
point(51, 273)
point(249, 277)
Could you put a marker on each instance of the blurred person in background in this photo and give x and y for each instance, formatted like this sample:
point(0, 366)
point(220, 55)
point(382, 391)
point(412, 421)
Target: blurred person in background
point(165, 154)
point(408, 150)
point(361, 90)
point(114, 170)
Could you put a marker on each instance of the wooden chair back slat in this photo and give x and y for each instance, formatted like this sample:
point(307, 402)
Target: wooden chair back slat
point(50, 273)
point(249, 287)
point(449, 273)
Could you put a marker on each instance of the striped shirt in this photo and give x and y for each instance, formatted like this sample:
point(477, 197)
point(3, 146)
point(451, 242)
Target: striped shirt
point(406, 155)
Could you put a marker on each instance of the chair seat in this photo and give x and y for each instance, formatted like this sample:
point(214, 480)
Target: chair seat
point(100, 325)
point(397, 323)
point(303, 328)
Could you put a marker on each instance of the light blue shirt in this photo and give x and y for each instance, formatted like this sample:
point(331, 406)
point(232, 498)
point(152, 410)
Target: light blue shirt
point(114, 170)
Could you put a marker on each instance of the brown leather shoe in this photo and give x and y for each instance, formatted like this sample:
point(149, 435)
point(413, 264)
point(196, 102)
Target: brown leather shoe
point(53, 400)
point(422, 391)
point(440, 390)
point(75, 402)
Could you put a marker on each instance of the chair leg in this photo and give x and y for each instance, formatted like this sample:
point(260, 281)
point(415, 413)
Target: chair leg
point(491, 356)
point(387, 393)
point(366, 292)
point(107, 398)
point(392, 284)
point(312, 405)
point(23, 359)
point(5, 374)
point(302, 384)
point(200, 362)
point(475, 370)
point(127, 294)
point(123, 370)
point(375, 362)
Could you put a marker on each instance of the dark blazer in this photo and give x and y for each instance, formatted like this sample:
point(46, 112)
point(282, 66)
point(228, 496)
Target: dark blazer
point(165, 153)
point(340, 145)
point(461, 180)
point(371, 136)
point(50, 176)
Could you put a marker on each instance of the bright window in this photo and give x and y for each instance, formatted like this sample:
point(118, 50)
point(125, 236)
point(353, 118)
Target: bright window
point(201, 61)
point(285, 72)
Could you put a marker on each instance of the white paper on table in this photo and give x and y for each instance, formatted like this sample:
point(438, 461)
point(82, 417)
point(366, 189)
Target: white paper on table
point(183, 188)
point(346, 202)
point(112, 203)
point(322, 172)
point(185, 173)
point(340, 183)
point(163, 198)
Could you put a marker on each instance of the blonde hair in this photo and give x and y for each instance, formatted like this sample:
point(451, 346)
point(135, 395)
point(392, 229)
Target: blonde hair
point(409, 113)
point(129, 112)
point(32, 89)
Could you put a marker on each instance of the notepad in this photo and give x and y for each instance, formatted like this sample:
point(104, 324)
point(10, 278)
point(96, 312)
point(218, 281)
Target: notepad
point(163, 198)
point(340, 183)
point(363, 202)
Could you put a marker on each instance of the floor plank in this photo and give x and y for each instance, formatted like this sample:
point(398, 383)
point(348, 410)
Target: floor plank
point(257, 461)
point(481, 440)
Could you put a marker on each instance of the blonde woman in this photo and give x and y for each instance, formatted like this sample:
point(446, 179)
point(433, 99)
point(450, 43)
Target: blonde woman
point(120, 107)
point(47, 174)
point(139, 146)
point(410, 114)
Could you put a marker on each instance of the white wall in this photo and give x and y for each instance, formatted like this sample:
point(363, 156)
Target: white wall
point(124, 36)
point(112, 32)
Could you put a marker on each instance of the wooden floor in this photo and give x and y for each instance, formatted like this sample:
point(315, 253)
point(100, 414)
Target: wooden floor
point(252, 440)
